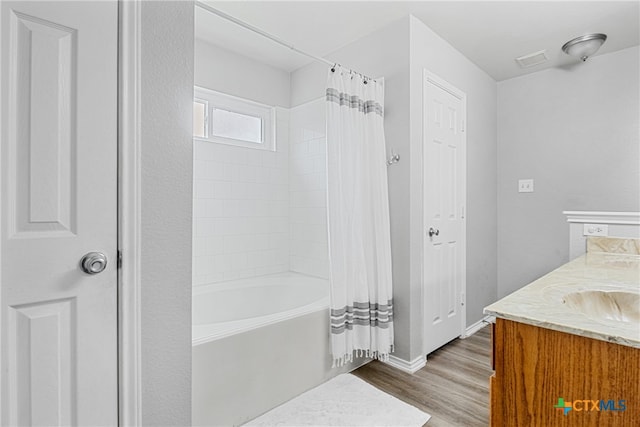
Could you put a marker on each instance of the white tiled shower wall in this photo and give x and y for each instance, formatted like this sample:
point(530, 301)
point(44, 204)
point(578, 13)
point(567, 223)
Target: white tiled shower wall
point(308, 189)
point(241, 209)
point(260, 212)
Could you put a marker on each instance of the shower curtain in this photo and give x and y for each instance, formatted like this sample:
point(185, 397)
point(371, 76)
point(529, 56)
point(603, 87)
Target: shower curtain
point(358, 217)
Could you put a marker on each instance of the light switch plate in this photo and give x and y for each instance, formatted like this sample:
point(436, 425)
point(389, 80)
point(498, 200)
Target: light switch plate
point(596, 230)
point(525, 186)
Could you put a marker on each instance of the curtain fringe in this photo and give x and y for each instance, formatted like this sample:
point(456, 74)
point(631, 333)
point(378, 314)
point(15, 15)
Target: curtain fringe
point(340, 361)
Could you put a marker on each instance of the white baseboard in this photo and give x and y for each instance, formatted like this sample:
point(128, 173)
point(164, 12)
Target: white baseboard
point(472, 329)
point(420, 361)
point(410, 367)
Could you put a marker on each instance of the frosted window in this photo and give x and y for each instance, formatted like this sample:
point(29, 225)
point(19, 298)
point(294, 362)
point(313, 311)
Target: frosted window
point(225, 119)
point(199, 119)
point(228, 124)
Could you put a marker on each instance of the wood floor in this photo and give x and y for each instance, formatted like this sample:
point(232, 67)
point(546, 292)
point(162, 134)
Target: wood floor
point(453, 387)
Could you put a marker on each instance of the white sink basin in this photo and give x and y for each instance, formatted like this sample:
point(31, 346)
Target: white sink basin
point(619, 306)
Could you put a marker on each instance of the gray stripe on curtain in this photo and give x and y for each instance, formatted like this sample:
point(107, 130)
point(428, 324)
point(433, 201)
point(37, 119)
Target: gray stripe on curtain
point(352, 101)
point(361, 314)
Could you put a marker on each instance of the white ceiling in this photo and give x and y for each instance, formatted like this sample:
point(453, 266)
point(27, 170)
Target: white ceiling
point(490, 33)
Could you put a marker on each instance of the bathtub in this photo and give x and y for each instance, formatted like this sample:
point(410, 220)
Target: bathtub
point(256, 344)
point(228, 308)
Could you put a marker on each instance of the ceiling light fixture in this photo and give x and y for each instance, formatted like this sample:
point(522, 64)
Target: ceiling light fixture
point(584, 46)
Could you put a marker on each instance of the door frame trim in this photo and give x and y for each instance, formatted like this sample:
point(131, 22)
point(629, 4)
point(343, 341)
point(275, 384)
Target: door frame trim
point(129, 214)
point(430, 77)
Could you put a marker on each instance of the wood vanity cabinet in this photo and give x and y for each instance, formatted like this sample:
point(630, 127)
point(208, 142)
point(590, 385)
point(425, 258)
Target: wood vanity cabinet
point(534, 367)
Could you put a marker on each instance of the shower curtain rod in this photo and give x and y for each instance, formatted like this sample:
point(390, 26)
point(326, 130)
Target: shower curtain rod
point(267, 35)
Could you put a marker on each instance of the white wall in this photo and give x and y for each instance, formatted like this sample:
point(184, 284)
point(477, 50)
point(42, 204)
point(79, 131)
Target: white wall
point(166, 60)
point(575, 131)
point(241, 195)
point(309, 249)
point(430, 51)
point(241, 209)
point(228, 72)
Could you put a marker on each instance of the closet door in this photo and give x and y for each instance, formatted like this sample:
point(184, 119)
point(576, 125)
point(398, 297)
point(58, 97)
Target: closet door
point(444, 203)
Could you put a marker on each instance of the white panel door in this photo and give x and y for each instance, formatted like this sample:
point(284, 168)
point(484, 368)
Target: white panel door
point(58, 164)
point(444, 199)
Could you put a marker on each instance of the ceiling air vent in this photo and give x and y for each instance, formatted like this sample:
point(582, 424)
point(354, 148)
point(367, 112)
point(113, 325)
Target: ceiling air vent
point(532, 59)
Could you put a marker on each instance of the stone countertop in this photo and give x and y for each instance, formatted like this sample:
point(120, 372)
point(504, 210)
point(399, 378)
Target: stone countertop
point(542, 303)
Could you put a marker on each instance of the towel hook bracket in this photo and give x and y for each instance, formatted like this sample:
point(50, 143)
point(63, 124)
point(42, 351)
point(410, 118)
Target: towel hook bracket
point(394, 158)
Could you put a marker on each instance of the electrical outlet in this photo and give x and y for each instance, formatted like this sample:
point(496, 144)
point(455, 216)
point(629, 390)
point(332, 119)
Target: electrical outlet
point(525, 186)
point(596, 230)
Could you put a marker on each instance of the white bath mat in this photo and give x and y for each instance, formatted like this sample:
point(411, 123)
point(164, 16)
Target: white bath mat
point(343, 401)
